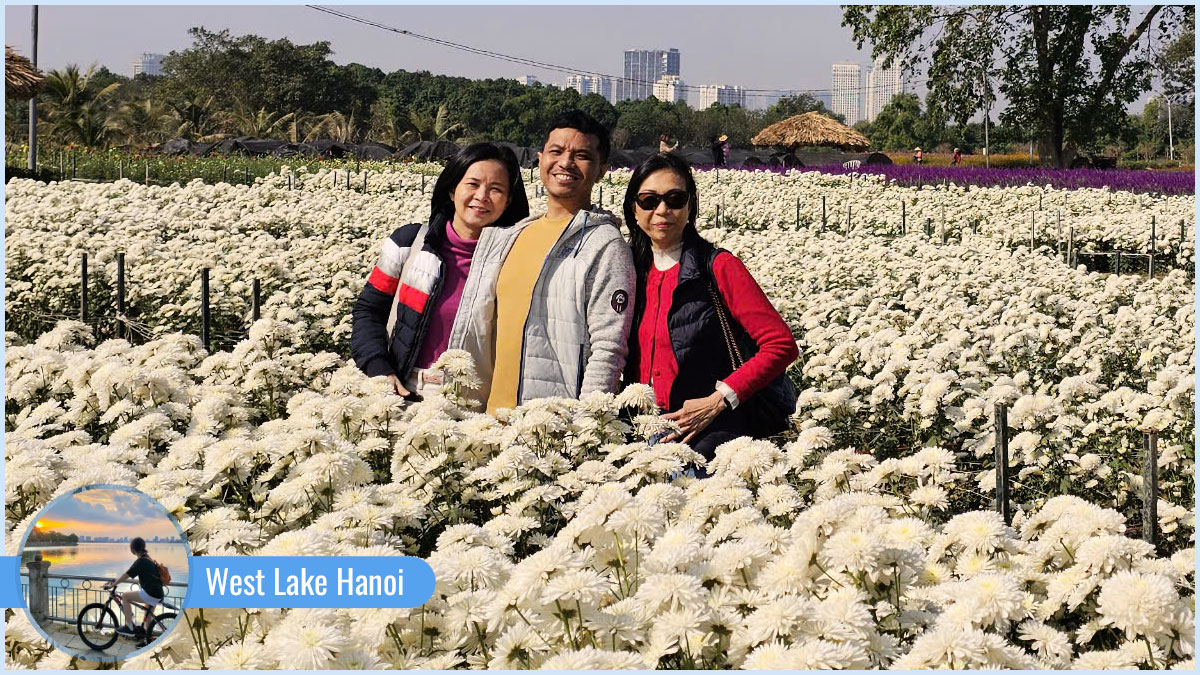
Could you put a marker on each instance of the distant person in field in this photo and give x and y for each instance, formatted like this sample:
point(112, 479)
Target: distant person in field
point(664, 146)
point(719, 150)
point(547, 307)
point(918, 156)
point(678, 343)
point(149, 593)
point(404, 316)
point(957, 158)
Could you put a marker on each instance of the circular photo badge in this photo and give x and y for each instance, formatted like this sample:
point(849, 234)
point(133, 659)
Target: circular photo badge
point(104, 572)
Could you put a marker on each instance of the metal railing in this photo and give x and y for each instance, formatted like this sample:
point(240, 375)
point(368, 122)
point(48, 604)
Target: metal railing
point(67, 594)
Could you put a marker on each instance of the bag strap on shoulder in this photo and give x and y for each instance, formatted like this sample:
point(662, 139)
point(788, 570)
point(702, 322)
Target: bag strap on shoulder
point(417, 244)
point(735, 352)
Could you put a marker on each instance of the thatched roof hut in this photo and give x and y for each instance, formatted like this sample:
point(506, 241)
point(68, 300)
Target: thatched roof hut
point(21, 79)
point(808, 130)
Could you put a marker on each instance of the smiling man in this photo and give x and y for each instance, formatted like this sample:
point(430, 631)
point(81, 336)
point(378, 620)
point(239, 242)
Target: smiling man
point(550, 297)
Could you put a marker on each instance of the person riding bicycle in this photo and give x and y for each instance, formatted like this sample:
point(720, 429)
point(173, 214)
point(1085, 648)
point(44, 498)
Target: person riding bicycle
point(151, 592)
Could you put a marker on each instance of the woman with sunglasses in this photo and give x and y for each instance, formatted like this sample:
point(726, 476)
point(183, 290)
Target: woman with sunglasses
point(404, 315)
point(678, 344)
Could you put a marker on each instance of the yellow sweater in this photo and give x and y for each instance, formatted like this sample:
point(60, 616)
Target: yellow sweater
point(514, 292)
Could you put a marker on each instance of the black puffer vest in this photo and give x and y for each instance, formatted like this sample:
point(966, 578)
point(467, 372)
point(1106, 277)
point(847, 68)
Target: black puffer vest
point(692, 323)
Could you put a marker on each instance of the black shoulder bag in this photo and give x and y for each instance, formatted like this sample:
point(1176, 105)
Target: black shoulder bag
point(768, 413)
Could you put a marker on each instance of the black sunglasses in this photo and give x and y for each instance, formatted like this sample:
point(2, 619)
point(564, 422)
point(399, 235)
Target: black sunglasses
point(675, 200)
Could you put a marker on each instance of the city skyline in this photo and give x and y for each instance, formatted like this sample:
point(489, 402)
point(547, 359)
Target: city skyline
point(860, 93)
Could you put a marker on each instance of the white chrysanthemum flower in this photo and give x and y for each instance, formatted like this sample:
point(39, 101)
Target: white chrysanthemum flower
point(302, 645)
point(776, 619)
point(773, 656)
point(1114, 659)
point(1053, 647)
point(583, 585)
point(243, 655)
point(1139, 604)
point(669, 591)
point(978, 531)
point(930, 497)
point(853, 550)
point(590, 658)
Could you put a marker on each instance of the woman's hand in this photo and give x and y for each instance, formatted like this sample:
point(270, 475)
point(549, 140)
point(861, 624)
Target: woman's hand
point(398, 386)
point(695, 415)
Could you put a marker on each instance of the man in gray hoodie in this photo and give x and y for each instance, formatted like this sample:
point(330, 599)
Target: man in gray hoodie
point(548, 305)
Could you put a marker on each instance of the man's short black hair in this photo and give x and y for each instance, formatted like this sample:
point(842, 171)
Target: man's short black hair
point(584, 124)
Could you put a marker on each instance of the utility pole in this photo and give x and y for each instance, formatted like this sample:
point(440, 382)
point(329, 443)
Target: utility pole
point(33, 101)
point(987, 112)
point(1170, 131)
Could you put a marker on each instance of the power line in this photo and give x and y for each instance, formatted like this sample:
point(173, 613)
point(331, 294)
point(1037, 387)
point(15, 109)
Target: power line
point(560, 68)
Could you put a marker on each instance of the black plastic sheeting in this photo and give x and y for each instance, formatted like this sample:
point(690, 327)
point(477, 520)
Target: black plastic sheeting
point(526, 157)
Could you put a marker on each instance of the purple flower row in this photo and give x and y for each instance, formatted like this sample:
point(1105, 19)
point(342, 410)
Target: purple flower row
point(1131, 180)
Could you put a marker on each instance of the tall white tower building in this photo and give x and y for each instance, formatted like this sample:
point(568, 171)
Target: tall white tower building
point(883, 84)
point(847, 91)
point(643, 68)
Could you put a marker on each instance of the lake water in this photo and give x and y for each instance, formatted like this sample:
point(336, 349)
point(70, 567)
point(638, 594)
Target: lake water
point(107, 560)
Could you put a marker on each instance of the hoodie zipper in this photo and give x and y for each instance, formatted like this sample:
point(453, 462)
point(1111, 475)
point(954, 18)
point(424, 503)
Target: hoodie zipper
point(525, 326)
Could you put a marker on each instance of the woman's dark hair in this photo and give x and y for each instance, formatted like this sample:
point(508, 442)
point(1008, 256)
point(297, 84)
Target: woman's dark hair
point(639, 241)
point(137, 545)
point(442, 201)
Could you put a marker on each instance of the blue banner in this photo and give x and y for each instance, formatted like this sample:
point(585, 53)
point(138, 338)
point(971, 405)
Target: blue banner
point(269, 582)
point(10, 582)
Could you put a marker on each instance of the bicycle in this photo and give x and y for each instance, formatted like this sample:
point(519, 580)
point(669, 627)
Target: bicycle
point(97, 623)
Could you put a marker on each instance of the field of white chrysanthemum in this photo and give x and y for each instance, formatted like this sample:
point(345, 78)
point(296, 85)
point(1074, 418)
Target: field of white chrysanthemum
point(560, 538)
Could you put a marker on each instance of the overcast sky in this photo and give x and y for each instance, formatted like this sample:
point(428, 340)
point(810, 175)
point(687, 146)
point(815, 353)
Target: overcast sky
point(765, 47)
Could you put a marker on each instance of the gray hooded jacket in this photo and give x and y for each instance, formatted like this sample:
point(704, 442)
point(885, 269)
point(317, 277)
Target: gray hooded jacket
point(576, 333)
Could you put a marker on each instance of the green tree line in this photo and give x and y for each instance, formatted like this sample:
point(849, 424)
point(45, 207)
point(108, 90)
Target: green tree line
point(39, 537)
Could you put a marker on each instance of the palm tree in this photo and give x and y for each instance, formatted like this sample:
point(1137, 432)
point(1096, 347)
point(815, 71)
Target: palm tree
point(335, 126)
point(298, 126)
point(260, 123)
point(75, 112)
point(432, 127)
point(384, 125)
point(141, 122)
point(195, 119)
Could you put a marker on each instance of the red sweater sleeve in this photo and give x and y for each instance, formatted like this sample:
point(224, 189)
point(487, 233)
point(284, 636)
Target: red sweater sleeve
point(751, 308)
